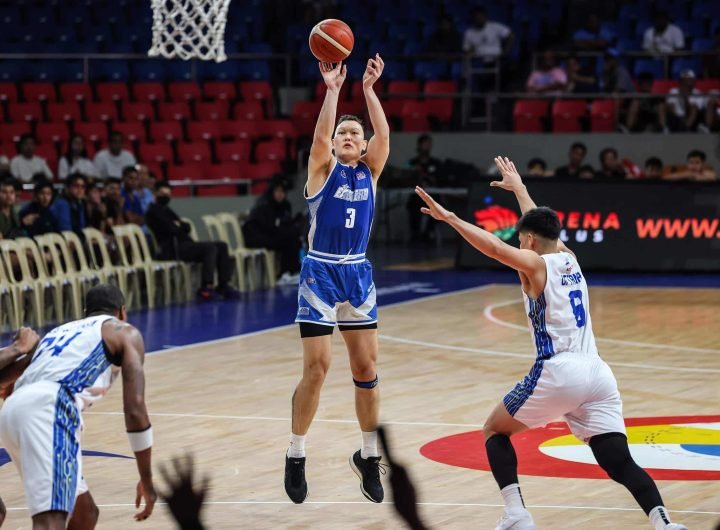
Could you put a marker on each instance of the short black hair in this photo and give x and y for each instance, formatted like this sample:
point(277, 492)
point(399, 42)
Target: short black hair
point(696, 153)
point(9, 182)
point(160, 184)
point(25, 137)
point(537, 162)
point(542, 221)
point(41, 185)
point(103, 298)
point(129, 169)
point(654, 161)
point(74, 177)
point(115, 134)
point(112, 180)
point(423, 138)
point(350, 117)
point(606, 151)
point(579, 145)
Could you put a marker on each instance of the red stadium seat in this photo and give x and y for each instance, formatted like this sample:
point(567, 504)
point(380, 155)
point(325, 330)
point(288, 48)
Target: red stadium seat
point(203, 130)
point(440, 87)
point(248, 110)
point(70, 92)
point(528, 115)
point(92, 132)
point(133, 132)
point(39, 92)
point(173, 111)
point(258, 91)
point(164, 131)
point(212, 110)
point(219, 90)
point(198, 152)
point(409, 88)
point(663, 86)
point(441, 109)
point(356, 108)
point(220, 172)
point(707, 85)
point(261, 173)
point(101, 111)
point(68, 111)
point(277, 128)
point(567, 114)
point(187, 172)
point(271, 151)
point(237, 151)
point(20, 112)
point(148, 91)
point(184, 91)
point(357, 94)
point(52, 133)
point(108, 92)
point(8, 92)
point(158, 153)
point(393, 107)
point(140, 111)
point(49, 152)
point(10, 133)
point(240, 129)
point(603, 113)
point(321, 88)
point(304, 116)
point(415, 117)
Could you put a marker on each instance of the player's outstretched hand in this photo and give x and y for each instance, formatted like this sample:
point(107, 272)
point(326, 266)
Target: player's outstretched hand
point(433, 209)
point(511, 178)
point(334, 76)
point(373, 71)
point(26, 340)
point(145, 490)
point(3, 511)
point(183, 500)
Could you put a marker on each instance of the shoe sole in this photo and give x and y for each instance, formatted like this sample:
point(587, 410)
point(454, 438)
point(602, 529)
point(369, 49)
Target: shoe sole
point(302, 501)
point(517, 526)
point(359, 474)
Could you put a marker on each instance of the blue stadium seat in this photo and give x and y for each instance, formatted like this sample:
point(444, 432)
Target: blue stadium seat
point(687, 63)
point(708, 9)
point(296, 35)
point(702, 44)
point(655, 67)
point(395, 70)
point(9, 16)
point(41, 71)
point(9, 70)
point(226, 71)
point(178, 70)
point(629, 44)
point(254, 70)
point(695, 27)
point(633, 11)
point(257, 47)
point(414, 47)
point(456, 70)
point(431, 70)
point(72, 15)
point(109, 70)
point(69, 72)
point(149, 70)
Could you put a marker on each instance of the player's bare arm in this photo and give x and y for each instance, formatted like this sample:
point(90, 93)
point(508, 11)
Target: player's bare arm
point(125, 341)
point(25, 342)
point(378, 148)
point(321, 157)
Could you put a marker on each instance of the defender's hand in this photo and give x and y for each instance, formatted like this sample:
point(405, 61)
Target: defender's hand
point(333, 76)
point(26, 340)
point(433, 208)
point(373, 71)
point(511, 178)
point(147, 492)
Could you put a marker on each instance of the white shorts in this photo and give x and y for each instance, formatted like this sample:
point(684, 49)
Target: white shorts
point(40, 426)
point(579, 387)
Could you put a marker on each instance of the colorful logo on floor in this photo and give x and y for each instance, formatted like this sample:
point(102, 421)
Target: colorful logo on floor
point(669, 448)
point(5, 457)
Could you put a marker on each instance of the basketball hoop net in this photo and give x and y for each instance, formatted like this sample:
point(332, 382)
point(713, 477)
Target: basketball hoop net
point(188, 29)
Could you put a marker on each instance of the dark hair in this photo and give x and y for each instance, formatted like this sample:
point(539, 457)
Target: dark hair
point(129, 169)
point(104, 298)
point(68, 153)
point(696, 153)
point(579, 145)
point(479, 10)
point(160, 184)
point(536, 162)
point(586, 167)
point(41, 185)
point(24, 138)
point(646, 76)
point(542, 221)
point(9, 182)
point(654, 161)
point(423, 137)
point(606, 151)
point(350, 117)
point(74, 178)
point(115, 134)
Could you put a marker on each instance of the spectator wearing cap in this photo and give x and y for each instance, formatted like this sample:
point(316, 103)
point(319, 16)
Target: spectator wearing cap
point(576, 155)
point(25, 165)
point(663, 37)
point(35, 216)
point(681, 109)
point(592, 37)
point(487, 39)
point(653, 168)
point(616, 79)
point(695, 170)
point(549, 78)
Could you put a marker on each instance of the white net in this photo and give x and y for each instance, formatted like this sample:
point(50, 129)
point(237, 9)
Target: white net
point(188, 29)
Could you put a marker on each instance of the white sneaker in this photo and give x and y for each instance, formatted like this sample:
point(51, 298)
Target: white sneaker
point(289, 279)
point(676, 526)
point(516, 521)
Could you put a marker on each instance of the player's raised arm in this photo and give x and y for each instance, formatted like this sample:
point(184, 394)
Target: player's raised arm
point(25, 341)
point(379, 145)
point(321, 150)
point(125, 341)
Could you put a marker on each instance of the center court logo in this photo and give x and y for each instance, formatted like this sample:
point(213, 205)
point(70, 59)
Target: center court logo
point(498, 220)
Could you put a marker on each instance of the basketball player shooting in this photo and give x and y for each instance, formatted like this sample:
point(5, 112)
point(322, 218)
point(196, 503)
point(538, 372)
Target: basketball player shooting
point(569, 378)
point(336, 285)
point(40, 422)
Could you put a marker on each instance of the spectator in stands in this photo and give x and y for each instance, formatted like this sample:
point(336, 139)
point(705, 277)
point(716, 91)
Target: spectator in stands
point(653, 168)
point(616, 78)
point(132, 206)
point(95, 208)
point(711, 60)
point(681, 110)
point(610, 165)
point(581, 79)
point(487, 39)
point(663, 37)
point(110, 162)
point(114, 204)
point(537, 167)
point(4, 167)
point(25, 164)
point(712, 113)
point(10, 227)
point(586, 172)
point(76, 160)
point(593, 37)
point(576, 155)
point(68, 209)
point(641, 114)
point(445, 39)
point(272, 225)
point(173, 237)
point(695, 169)
point(35, 216)
point(146, 185)
point(549, 78)
point(426, 174)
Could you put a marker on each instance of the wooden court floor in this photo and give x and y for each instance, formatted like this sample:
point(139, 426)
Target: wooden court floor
point(444, 362)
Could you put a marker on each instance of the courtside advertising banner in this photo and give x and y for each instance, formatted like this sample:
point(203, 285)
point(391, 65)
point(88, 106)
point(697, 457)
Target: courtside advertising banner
point(650, 226)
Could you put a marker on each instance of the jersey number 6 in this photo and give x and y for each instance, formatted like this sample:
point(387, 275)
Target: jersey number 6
point(350, 221)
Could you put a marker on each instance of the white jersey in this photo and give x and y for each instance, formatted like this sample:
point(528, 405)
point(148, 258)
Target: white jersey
point(560, 317)
point(75, 356)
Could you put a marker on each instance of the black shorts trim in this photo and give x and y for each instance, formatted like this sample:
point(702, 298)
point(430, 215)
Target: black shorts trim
point(346, 327)
point(310, 329)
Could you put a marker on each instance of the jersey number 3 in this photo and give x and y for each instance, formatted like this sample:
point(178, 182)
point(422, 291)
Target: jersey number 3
point(350, 220)
point(577, 307)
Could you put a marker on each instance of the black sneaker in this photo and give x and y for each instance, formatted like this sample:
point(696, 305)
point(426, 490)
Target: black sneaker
point(368, 470)
point(295, 483)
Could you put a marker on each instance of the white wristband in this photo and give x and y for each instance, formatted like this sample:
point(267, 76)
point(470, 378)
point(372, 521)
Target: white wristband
point(139, 441)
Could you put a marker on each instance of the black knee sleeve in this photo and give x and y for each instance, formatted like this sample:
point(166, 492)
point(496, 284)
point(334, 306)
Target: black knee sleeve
point(367, 384)
point(503, 460)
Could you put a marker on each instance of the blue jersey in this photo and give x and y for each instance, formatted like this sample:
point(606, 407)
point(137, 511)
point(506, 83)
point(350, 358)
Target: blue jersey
point(341, 214)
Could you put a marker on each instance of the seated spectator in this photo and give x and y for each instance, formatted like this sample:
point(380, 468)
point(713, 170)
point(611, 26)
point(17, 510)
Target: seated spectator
point(711, 60)
point(35, 216)
point(586, 172)
point(712, 113)
point(110, 162)
point(132, 206)
point(445, 39)
point(426, 174)
point(576, 155)
point(25, 164)
point(487, 39)
point(114, 204)
point(76, 160)
point(681, 110)
point(4, 168)
point(616, 78)
point(96, 209)
point(663, 37)
point(653, 168)
point(173, 237)
point(10, 226)
point(537, 167)
point(146, 183)
point(271, 225)
point(593, 37)
point(549, 78)
point(610, 165)
point(580, 79)
point(641, 114)
point(68, 209)
point(695, 169)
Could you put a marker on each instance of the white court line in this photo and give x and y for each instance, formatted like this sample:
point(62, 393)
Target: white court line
point(487, 313)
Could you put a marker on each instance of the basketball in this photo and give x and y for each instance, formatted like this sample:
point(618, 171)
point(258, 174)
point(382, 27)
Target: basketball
point(331, 40)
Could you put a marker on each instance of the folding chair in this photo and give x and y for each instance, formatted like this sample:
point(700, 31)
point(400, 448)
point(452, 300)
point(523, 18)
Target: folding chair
point(217, 232)
point(28, 291)
point(126, 277)
point(56, 259)
point(236, 242)
point(8, 303)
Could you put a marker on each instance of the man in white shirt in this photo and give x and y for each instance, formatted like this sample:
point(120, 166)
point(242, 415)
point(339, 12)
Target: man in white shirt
point(487, 39)
point(663, 37)
point(111, 161)
point(681, 109)
point(25, 165)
